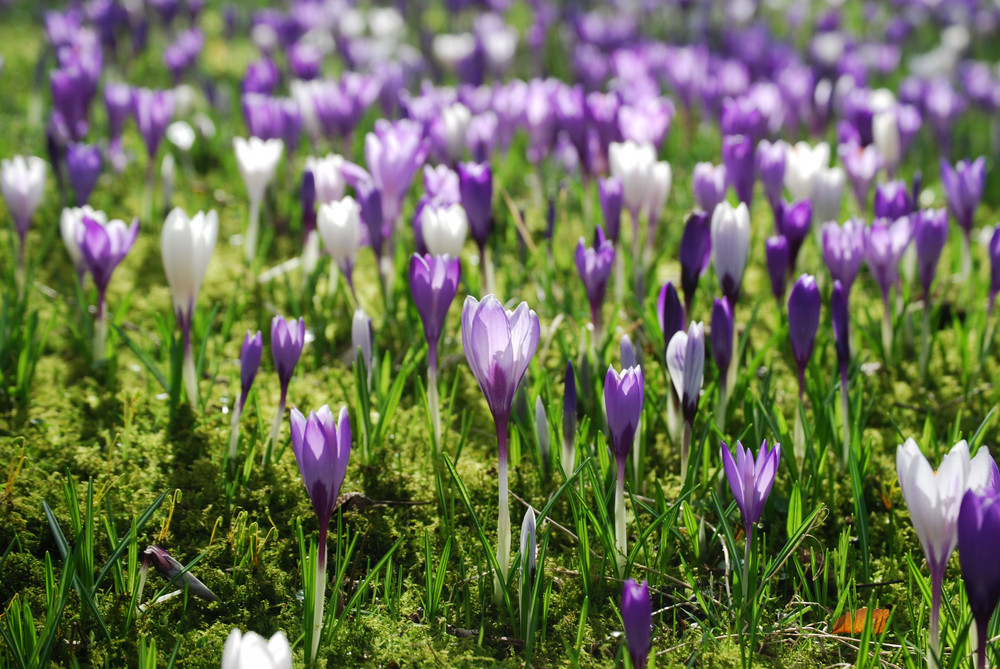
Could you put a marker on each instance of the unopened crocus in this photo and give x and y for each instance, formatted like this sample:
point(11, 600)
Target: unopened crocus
point(187, 244)
point(444, 228)
point(861, 165)
point(929, 236)
point(794, 222)
point(750, 479)
point(102, 247)
point(886, 138)
point(844, 250)
point(70, 222)
point(885, 243)
point(243, 651)
point(250, 355)
point(288, 337)
point(934, 499)
point(893, 200)
point(83, 164)
point(721, 338)
point(394, 152)
point(994, 251)
point(322, 448)
point(257, 161)
point(709, 184)
point(777, 256)
point(730, 246)
point(841, 338)
point(568, 459)
point(695, 253)
point(978, 536)
point(828, 193)
point(637, 618)
point(963, 188)
point(770, 165)
point(499, 345)
point(594, 265)
point(802, 163)
point(152, 111)
point(22, 181)
point(611, 195)
point(738, 157)
point(686, 363)
point(623, 397)
point(433, 284)
point(339, 226)
point(803, 322)
point(475, 186)
point(633, 164)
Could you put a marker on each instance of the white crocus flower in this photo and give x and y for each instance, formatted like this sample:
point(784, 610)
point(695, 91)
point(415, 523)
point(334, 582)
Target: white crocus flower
point(885, 133)
point(187, 245)
point(802, 163)
point(444, 229)
point(181, 135)
point(22, 181)
point(660, 179)
point(328, 177)
point(339, 225)
point(827, 194)
point(252, 651)
point(70, 221)
point(454, 121)
point(450, 50)
point(257, 160)
point(633, 163)
point(730, 234)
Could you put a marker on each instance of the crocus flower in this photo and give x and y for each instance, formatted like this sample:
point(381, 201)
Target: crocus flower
point(841, 338)
point(994, 251)
point(287, 340)
point(803, 323)
point(611, 194)
point(569, 421)
point(444, 228)
point(751, 479)
point(499, 345)
point(721, 337)
point(827, 193)
point(934, 498)
point(978, 531)
point(623, 397)
point(394, 152)
point(637, 617)
point(770, 163)
point(885, 243)
point(243, 651)
point(738, 157)
point(433, 284)
point(22, 181)
point(187, 245)
point(730, 246)
point(339, 226)
point(257, 161)
point(861, 164)
point(475, 184)
point(329, 179)
point(802, 163)
point(777, 256)
point(929, 236)
point(686, 363)
point(83, 163)
point(695, 253)
point(102, 247)
point(633, 164)
point(843, 250)
point(669, 313)
point(152, 111)
point(70, 222)
point(893, 200)
point(594, 265)
point(709, 184)
point(250, 355)
point(794, 222)
point(963, 187)
point(322, 448)
point(885, 134)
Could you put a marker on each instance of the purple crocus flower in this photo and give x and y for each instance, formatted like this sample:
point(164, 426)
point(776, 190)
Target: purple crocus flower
point(738, 157)
point(669, 313)
point(709, 184)
point(83, 163)
point(499, 345)
point(118, 103)
point(994, 250)
point(569, 420)
point(794, 222)
point(594, 265)
point(861, 164)
point(777, 255)
point(885, 243)
point(695, 253)
point(153, 111)
point(623, 397)
point(250, 355)
point(262, 76)
point(842, 340)
point(770, 164)
point(637, 617)
point(686, 363)
point(611, 194)
point(475, 187)
point(978, 533)
point(803, 323)
point(370, 201)
point(305, 60)
point(102, 248)
point(394, 152)
point(433, 283)
point(929, 235)
point(843, 250)
point(963, 187)
point(751, 480)
point(893, 200)
point(287, 339)
point(721, 337)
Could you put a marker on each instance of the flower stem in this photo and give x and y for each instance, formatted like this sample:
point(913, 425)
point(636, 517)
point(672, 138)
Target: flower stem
point(275, 427)
point(503, 516)
point(621, 549)
point(934, 632)
point(746, 567)
point(845, 413)
point(189, 374)
point(253, 230)
point(619, 276)
point(982, 640)
point(925, 339)
point(685, 448)
point(100, 330)
point(234, 429)
point(319, 594)
point(433, 407)
point(799, 432)
point(147, 193)
point(887, 328)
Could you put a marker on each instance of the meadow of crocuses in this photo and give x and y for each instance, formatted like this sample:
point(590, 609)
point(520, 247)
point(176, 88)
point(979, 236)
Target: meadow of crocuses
point(691, 301)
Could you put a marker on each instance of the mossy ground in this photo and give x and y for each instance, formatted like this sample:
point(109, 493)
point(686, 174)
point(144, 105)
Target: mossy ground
point(113, 426)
